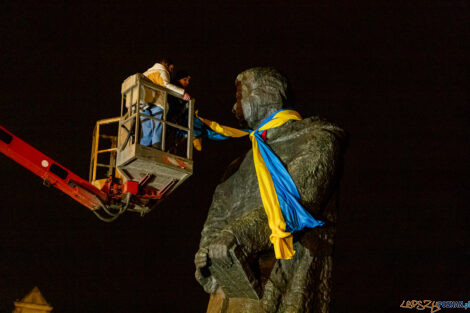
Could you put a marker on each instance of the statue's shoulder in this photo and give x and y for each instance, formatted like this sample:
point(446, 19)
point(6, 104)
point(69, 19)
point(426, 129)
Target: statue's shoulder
point(318, 124)
point(313, 127)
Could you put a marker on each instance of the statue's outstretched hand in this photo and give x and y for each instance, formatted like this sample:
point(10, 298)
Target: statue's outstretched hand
point(218, 252)
point(219, 249)
point(202, 274)
point(200, 259)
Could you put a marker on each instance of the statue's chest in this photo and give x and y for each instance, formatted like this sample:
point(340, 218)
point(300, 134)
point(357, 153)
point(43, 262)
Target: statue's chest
point(241, 189)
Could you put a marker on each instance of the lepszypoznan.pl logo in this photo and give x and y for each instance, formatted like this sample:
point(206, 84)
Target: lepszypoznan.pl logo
point(434, 306)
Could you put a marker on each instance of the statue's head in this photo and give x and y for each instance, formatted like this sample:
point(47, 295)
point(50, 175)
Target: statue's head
point(261, 91)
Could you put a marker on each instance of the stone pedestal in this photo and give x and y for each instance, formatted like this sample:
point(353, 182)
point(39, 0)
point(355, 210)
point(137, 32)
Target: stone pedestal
point(220, 303)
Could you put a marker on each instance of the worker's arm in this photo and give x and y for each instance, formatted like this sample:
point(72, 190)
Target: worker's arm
point(162, 78)
point(168, 85)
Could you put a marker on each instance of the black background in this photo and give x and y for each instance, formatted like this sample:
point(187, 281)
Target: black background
point(392, 73)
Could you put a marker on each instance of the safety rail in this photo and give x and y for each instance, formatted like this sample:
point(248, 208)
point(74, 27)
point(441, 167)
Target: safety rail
point(137, 92)
point(96, 151)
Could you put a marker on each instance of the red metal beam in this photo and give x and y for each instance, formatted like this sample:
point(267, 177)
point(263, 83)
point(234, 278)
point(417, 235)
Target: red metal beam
point(50, 171)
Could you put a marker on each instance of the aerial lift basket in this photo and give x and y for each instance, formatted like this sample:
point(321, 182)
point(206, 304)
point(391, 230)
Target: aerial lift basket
point(162, 169)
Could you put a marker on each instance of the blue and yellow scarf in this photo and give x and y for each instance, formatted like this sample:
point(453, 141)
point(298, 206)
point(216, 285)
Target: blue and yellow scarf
point(279, 194)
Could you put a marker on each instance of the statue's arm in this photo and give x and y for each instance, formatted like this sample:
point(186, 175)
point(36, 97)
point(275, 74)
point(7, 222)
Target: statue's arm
point(216, 221)
point(315, 171)
point(217, 216)
point(251, 231)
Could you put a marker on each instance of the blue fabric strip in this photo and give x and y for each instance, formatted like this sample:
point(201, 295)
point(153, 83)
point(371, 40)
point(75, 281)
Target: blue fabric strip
point(295, 216)
point(201, 130)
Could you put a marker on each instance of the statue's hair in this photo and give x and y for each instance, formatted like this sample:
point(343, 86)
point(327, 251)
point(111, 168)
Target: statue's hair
point(267, 78)
point(264, 91)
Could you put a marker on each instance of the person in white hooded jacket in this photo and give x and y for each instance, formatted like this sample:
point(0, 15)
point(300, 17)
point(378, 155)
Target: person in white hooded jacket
point(159, 74)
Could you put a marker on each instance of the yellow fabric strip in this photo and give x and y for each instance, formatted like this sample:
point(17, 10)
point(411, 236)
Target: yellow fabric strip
point(197, 144)
point(224, 130)
point(281, 240)
point(280, 118)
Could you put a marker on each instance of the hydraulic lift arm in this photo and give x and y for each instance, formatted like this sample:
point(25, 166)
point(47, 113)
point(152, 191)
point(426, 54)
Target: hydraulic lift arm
point(52, 173)
point(56, 175)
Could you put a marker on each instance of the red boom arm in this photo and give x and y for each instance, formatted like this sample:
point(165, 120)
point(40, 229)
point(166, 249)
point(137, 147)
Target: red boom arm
point(50, 171)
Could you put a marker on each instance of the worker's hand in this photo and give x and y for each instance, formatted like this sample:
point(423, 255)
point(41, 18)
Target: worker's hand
point(219, 249)
point(186, 96)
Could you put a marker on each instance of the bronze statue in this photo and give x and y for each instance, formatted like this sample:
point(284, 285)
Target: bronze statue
point(235, 262)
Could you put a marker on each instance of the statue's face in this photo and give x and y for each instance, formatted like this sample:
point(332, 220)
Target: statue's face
point(250, 109)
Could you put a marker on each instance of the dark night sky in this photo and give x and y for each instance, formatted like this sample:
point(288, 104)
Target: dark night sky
point(392, 74)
